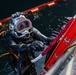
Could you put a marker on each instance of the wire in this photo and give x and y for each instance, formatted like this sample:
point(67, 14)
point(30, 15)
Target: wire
point(71, 46)
point(2, 32)
point(2, 55)
point(8, 53)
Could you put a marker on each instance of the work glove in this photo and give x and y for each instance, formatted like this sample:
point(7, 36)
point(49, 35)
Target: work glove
point(49, 40)
point(37, 46)
point(25, 47)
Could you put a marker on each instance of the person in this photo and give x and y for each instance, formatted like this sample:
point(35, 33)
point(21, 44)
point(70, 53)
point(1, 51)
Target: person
point(22, 35)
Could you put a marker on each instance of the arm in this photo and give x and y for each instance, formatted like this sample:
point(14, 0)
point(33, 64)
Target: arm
point(12, 44)
point(41, 37)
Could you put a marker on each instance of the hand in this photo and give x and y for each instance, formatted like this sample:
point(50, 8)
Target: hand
point(48, 41)
point(37, 45)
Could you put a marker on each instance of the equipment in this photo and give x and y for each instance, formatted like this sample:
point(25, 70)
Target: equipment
point(20, 26)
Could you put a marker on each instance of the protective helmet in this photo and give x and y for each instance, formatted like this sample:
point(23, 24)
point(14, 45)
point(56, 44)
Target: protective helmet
point(20, 26)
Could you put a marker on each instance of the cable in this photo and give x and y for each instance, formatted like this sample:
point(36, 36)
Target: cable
point(8, 53)
point(2, 55)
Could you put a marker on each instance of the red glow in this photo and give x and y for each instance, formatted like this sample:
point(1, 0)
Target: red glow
point(0, 23)
point(51, 3)
point(35, 9)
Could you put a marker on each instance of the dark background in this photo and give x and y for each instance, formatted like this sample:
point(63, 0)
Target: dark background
point(8, 7)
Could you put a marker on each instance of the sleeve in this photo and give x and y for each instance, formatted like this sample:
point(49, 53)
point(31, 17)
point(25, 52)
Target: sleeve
point(10, 42)
point(13, 45)
point(38, 35)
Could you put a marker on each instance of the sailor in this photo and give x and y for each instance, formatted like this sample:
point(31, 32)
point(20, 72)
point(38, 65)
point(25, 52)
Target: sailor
point(22, 35)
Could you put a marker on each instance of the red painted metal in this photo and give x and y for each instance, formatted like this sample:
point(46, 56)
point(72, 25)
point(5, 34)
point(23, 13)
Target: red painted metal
point(57, 37)
point(64, 43)
point(35, 9)
point(50, 3)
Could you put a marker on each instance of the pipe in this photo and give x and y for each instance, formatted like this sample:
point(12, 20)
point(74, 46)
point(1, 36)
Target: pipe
point(48, 48)
point(62, 59)
point(39, 57)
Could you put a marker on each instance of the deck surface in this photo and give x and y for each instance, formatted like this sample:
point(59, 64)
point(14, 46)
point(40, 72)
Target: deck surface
point(70, 69)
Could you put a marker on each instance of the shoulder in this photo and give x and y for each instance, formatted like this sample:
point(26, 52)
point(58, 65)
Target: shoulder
point(8, 33)
point(35, 30)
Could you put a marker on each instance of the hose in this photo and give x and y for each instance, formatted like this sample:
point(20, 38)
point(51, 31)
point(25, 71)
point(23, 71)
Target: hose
point(40, 56)
point(2, 55)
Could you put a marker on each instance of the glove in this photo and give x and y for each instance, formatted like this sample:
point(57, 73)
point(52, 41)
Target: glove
point(25, 47)
point(48, 41)
point(37, 46)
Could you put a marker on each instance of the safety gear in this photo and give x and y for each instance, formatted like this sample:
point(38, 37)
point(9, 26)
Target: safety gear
point(20, 26)
point(49, 40)
point(37, 45)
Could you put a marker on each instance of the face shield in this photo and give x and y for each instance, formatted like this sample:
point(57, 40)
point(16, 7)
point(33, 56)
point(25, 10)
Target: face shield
point(20, 27)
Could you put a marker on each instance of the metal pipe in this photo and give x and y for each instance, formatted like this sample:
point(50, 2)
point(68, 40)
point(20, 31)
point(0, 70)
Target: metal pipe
point(49, 47)
point(62, 59)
